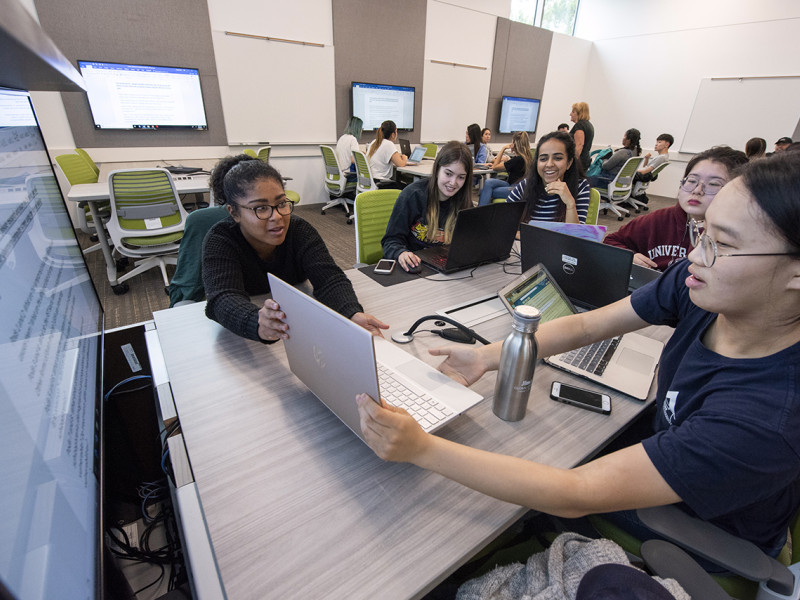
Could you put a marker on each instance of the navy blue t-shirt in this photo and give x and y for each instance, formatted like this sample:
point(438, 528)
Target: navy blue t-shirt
point(727, 435)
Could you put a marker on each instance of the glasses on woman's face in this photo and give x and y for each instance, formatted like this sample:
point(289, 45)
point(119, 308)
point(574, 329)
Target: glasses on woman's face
point(264, 212)
point(708, 247)
point(709, 188)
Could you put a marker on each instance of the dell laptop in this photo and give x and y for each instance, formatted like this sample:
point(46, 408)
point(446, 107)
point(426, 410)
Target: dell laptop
point(338, 359)
point(626, 363)
point(481, 235)
point(592, 274)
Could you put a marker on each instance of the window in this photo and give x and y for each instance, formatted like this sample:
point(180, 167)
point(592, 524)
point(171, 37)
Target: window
point(555, 15)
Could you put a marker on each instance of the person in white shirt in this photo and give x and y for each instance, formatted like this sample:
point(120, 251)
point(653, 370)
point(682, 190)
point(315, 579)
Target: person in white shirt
point(347, 143)
point(383, 154)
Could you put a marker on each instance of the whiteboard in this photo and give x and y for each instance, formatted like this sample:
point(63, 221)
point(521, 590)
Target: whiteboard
point(731, 111)
point(275, 92)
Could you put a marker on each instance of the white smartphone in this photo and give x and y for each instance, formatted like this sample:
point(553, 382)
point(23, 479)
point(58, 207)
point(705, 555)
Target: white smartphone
point(384, 266)
point(583, 398)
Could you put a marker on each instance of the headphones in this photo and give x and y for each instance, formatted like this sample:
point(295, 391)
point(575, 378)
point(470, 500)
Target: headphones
point(457, 333)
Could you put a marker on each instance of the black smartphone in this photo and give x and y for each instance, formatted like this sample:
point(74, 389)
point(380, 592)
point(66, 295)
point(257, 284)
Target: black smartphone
point(384, 266)
point(583, 398)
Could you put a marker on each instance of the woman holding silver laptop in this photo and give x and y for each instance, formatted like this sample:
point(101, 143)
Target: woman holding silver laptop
point(724, 442)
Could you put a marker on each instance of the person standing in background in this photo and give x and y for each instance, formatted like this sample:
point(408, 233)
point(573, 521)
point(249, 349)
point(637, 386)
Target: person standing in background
point(582, 132)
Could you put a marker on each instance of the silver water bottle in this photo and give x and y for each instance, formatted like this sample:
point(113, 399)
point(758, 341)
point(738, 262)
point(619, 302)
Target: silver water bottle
point(517, 362)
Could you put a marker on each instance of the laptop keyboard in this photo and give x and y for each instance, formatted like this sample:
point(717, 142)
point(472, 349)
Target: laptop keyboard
point(593, 358)
point(427, 411)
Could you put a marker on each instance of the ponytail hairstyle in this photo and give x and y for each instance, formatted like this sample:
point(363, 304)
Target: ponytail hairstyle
point(522, 147)
point(234, 176)
point(474, 135)
point(449, 153)
point(634, 136)
point(384, 133)
point(534, 186)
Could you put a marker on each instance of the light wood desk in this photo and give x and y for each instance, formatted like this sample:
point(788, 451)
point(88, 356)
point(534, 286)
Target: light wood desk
point(425, 169)
point(297, 506)
point(92, 193)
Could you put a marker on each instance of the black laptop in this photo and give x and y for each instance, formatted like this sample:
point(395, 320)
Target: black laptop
point(405, 147)
point(592, 274)
point(482, 235)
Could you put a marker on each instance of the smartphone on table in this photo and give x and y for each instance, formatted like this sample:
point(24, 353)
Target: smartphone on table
point(384, 266)
point(580, 397)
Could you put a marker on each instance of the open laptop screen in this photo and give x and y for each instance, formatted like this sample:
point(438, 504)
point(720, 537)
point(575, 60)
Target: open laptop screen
point(536, 288)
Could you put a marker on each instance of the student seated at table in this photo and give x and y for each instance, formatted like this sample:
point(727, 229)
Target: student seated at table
point(724, 443)
point(425, 212)
point(615, 162)
point(486, 137)
point(345, 146)
point(555, 188)
point(262, 236)
point(474, 141)
point(516, 166)
point(661, 237)
point(383, 155)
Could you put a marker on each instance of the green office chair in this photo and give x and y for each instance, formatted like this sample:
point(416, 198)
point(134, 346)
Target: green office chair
point(431, 150)
point(85, 155)
point(640, 187)
point(372, 212)
point(78, 170)
point(620, 188)
point(340, 190)
point(263, 153)
point(594, 207)
point(755, 575)
point(186, 285)
point(147, 220)
point(250, 152)
point(292, 196)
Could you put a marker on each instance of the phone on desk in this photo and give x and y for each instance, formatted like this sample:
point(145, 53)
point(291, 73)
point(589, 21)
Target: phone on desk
point(580, 397)
point(384, 266)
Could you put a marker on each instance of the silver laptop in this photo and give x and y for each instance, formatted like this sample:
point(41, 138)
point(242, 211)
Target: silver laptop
point(416, 156)
point(626, 363)
point(338, 360)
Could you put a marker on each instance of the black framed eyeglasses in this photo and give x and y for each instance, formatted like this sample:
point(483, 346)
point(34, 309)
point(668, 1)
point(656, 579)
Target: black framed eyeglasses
point(709, 188)
point(264, 212)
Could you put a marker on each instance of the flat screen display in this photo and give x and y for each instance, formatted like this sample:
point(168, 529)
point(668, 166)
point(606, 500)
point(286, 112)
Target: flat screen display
point(50, 344)
point(518, 114)
point(143, 96)
point(375, 103)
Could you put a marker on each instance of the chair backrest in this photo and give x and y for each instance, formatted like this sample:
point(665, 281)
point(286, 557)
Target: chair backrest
point(431, 150)
point(364, 180)
point(621, 186)
point(335, 180)
point(85, 155)
point(594, 207)
point(641, 186)
point(263, 153)
point(187, 282)
point(250, 152)
point(372, 212)
point(76, 169)
point(144, 204)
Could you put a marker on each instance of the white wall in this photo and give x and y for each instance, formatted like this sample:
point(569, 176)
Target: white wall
point(648, 58)
point(567, 70)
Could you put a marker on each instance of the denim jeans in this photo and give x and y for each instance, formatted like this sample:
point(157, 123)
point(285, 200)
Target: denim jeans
point(493, 188)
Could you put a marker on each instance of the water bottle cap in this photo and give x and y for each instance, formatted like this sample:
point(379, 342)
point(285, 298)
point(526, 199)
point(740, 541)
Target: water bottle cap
point(527, 312)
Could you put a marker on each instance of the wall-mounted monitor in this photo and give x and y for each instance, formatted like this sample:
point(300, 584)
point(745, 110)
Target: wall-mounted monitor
point(143, 97)
point(518, 114)
point(375, 103)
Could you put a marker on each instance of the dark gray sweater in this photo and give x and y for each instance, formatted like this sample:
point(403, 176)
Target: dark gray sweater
point(232, 272)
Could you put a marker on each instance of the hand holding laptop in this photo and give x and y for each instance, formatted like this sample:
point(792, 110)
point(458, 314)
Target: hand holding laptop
point(271, 325)
point(390, 431)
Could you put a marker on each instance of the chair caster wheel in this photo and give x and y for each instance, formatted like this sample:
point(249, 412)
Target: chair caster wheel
point(166, 290)
point(620, 218)
point(120, 288)
point(93, 238)
point(638, 211)
point(122, 264)
point(645, 208)
point(322, 211)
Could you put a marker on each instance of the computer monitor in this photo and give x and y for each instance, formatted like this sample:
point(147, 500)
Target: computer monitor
point(50, 383)
point(375, 103)
point(518, 114)
point(143, 97)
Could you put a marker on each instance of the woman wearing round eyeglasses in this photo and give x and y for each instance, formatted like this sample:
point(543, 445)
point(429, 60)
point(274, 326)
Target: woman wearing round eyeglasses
point(724, 443)
point(661, 238)
point(262, 236)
